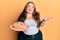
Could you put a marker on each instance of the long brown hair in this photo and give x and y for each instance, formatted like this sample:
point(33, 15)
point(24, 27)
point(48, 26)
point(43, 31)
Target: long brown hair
point(36, 15)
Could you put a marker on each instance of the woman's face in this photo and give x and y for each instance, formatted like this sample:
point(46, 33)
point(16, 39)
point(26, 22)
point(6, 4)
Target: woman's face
point(30, 8)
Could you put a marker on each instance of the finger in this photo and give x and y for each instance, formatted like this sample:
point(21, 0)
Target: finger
point(48, 18)
point(11, 26)
point(18, 29)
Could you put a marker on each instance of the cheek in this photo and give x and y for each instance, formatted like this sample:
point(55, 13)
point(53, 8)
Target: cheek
point(30, 9)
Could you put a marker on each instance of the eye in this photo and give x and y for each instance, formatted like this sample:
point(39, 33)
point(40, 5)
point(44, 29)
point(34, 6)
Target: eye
point(28, 6)
point(32, 6)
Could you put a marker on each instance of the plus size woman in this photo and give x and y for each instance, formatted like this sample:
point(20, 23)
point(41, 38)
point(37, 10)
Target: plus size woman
point(28, 23)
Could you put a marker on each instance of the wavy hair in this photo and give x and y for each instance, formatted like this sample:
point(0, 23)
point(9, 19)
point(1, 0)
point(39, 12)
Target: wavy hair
point(36, 15)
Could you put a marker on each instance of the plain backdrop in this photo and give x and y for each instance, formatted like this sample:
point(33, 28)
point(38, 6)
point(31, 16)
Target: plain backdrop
point(11, 9)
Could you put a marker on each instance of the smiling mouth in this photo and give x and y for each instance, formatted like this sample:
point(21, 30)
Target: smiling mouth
point(30, 10)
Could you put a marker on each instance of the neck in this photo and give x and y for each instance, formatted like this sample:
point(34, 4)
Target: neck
point(29, 16)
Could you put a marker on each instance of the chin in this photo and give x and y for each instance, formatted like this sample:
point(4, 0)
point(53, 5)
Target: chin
point(30, 12)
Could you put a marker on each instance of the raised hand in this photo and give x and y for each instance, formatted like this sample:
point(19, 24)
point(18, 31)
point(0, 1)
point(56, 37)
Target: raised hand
point(47, 18)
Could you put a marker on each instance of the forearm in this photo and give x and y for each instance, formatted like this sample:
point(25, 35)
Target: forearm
point(13, 28)
point(18, 28)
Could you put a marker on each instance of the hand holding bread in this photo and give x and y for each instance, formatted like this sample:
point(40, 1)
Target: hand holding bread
point(19, 26)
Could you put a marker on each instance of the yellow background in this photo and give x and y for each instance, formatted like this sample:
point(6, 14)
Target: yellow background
point(10, 10)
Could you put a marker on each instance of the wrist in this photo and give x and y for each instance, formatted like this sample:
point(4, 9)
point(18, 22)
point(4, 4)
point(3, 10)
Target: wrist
point(43, 20)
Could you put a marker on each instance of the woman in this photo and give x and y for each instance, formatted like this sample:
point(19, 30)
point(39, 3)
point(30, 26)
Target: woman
point(29, 23)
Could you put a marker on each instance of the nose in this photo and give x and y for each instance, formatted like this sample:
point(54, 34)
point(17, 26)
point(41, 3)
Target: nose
point(30, 7)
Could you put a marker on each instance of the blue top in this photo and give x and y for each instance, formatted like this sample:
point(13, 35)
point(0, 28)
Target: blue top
point(32, 27)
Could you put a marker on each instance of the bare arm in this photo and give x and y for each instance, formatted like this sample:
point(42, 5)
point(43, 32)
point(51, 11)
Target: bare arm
point(18, 26)
point(45, 20)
